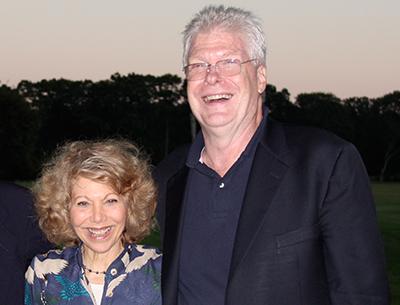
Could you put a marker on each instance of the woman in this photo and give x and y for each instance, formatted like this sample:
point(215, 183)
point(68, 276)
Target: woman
point(97, 200)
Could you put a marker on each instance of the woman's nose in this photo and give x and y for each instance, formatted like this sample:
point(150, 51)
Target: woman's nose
point(98, 214)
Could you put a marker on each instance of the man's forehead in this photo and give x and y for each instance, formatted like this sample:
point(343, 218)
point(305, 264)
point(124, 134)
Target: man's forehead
point(217, 34)
point(218, 42)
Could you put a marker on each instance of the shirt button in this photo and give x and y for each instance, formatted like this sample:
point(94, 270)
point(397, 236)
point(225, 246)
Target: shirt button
point(113, 271)
point(222, 185)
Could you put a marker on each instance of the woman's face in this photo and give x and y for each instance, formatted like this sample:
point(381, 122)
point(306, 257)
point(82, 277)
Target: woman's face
point(98, 216)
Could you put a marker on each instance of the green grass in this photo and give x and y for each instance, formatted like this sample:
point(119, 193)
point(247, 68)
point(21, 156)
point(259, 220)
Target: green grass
point(387, 199)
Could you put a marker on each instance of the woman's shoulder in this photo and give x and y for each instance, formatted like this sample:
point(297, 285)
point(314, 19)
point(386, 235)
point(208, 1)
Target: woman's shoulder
point(139, 273)
point(53, 262)
point(67, 254)
point(147, 250)
point(142, 255)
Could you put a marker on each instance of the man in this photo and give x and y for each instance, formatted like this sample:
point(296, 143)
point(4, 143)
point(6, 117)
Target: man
point(255, 211)
point(20, 241)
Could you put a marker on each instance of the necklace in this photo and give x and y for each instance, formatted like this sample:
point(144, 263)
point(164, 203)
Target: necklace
point(93, 271)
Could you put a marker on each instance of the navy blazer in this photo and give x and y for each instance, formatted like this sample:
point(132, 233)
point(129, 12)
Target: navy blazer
point(20, 241)
point(307, 232)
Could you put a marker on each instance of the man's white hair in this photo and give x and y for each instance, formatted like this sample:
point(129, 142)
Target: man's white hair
point(232, 20)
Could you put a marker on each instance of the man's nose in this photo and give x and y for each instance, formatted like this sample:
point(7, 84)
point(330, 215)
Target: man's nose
point(212, 75)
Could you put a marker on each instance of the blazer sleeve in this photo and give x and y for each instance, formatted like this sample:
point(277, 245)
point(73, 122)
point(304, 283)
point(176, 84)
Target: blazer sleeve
point(19, 221)
point(35, 242)
point(352, 244)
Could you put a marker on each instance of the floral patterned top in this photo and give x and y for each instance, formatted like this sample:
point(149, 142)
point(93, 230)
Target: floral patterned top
point(57, 278)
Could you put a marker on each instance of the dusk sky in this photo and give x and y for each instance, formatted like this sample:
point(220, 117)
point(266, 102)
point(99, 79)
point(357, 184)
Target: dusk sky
point(345, 47)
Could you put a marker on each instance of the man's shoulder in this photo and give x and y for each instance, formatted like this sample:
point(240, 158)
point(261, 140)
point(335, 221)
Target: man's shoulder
point(311, 146)
point(15, 198)
point(299, 136)
point(10, 190)
point(172, 163)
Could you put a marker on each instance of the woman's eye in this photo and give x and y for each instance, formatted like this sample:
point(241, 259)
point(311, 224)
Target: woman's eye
point(112, 200)
point(82, 203)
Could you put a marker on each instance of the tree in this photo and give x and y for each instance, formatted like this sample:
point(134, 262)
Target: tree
point(388, 108)
point(280, 106)
point(59, 105)
point(326, 111)
point(153, 112)
point(146, 109)
point(18, 135)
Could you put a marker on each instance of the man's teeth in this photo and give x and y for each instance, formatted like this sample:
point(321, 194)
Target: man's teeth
point(99, 232)
point(214, 97)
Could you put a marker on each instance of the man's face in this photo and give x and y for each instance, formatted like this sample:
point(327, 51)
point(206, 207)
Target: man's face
point(220, 102)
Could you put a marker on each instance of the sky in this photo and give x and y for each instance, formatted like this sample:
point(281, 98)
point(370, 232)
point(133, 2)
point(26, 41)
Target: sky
point(344, 47)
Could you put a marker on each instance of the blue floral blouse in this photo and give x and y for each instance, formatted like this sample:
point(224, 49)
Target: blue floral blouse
point(57, 278)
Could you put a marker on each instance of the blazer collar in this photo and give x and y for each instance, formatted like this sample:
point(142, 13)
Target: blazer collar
point(270, 163)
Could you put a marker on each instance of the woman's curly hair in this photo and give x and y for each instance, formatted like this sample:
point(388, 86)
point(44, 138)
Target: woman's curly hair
point(117, 163)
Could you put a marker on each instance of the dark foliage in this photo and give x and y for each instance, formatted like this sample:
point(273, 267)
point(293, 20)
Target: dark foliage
point(153, 112)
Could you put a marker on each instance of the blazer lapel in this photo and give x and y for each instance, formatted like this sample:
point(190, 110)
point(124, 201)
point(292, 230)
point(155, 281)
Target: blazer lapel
point(173, 224)
point(269, 166)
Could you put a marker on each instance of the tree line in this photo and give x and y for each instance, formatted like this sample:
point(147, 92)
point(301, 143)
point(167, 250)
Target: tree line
point(36, 117)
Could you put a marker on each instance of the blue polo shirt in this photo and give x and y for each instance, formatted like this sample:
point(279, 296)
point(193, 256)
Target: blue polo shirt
point(212, 209)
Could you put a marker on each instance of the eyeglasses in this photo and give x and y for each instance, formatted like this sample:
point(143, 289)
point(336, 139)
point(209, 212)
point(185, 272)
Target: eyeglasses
point(225, 67)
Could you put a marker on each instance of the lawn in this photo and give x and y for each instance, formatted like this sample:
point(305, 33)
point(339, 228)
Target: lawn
point(387, 198)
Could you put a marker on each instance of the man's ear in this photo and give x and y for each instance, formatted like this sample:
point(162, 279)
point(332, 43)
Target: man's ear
point(261, 78)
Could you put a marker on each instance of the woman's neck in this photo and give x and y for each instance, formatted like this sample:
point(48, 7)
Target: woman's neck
point(95, 264)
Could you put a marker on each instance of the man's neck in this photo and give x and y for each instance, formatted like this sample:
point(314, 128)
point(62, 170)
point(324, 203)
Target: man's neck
point(222, 150)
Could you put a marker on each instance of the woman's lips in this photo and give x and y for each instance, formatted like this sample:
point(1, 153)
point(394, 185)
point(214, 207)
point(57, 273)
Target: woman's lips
point(99, 233)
